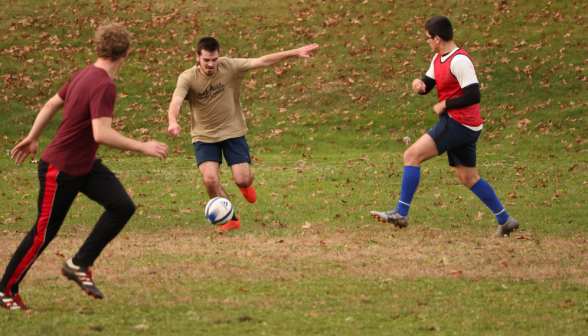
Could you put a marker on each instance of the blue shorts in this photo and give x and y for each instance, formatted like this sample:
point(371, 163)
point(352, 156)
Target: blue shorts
point(457, 140)
point(235, 151)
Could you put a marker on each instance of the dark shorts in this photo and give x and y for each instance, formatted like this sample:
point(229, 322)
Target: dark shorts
point(235, 151)
point(457, 140)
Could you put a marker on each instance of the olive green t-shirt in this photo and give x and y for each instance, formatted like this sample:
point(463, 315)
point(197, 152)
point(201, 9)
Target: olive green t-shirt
point(216, 111)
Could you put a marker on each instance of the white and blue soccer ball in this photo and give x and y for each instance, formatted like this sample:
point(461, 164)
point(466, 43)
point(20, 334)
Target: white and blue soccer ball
point(219, 211)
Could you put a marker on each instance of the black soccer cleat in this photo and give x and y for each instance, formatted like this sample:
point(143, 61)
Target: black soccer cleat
point(12, 302)
point(83, 277)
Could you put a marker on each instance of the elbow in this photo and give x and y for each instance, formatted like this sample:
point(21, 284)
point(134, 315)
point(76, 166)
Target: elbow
point(98, 138)
point(478, 98)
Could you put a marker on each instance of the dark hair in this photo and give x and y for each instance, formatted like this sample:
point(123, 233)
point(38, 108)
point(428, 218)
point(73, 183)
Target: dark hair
point(209, 44)
point(112, 41)
point(440, 26)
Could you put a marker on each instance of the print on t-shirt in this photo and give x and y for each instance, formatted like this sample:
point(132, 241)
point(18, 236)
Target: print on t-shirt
point(211, 91)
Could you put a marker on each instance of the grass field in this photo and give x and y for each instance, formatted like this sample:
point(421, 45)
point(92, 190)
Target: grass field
point(326, 138)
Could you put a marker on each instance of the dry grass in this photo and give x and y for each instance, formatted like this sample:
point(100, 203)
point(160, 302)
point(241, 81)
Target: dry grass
point(158, 258)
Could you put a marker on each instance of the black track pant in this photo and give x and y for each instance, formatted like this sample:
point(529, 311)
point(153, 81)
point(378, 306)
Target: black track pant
point(57, 193)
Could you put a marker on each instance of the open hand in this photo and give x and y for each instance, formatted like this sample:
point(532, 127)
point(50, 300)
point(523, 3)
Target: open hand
point(304, 51)
point(27, 147)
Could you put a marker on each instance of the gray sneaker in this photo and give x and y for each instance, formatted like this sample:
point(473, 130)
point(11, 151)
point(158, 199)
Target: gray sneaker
point(506, 228)
point(391, 217)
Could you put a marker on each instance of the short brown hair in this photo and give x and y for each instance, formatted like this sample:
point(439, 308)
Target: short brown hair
point(209, 44)
point(112, 41)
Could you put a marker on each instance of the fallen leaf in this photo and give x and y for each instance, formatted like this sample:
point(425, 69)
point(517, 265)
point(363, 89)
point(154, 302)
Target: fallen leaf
point(524, 238)
point(306, 225)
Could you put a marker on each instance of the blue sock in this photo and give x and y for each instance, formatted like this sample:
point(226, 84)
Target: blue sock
point(410, 181)
point(487, 195)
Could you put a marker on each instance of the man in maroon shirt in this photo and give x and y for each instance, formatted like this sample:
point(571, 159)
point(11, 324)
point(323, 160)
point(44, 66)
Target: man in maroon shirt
point(69, 165)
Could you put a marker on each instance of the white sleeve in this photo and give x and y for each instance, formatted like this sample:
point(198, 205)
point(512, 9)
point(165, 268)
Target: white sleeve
point(463, 69)
point(431, 72)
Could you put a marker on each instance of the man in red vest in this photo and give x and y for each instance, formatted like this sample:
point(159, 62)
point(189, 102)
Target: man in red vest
point(69, 166)
point(457, 131)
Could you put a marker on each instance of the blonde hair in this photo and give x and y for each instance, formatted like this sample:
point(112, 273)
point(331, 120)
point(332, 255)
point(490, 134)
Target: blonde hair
point(112, 41)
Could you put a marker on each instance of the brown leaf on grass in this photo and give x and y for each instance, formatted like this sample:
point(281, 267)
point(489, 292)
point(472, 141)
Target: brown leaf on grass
point(141, 326)
point(523, 123)
point(154, 217)
point(457, 273)
point(131, 192)
point(59, 254)
point(524, 238)
point(504, 263)
point(306, 225)
point(244, 289)
point(322, 244)
point(312, 313)
point(479, 216)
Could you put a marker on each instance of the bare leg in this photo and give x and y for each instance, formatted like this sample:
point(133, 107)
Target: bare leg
point(467, 175)
point(242, 174)
point(421, 151)
point(209, 171)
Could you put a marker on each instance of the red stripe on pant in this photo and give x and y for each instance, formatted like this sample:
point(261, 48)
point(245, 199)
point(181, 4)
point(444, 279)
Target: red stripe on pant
point(48, 198)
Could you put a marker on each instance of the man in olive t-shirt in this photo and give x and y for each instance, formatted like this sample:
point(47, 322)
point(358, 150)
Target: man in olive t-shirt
point(212, 88)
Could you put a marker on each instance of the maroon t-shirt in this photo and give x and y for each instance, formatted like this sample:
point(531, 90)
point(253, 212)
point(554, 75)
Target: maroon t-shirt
point(88, 94)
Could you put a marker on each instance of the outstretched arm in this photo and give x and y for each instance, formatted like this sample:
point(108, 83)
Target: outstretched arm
point(173, 113)
point(271, 59)
point(30, 145)
point(106, 135)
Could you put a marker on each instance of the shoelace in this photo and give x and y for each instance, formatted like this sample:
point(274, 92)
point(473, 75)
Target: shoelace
point(88, 276)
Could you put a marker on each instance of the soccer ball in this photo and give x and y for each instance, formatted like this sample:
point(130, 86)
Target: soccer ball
point(219, 211)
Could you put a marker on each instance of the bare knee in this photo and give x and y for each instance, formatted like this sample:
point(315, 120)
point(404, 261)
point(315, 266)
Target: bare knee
point(410, 157)
point(210, 180)
point(468, 180)
point(244, 181)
